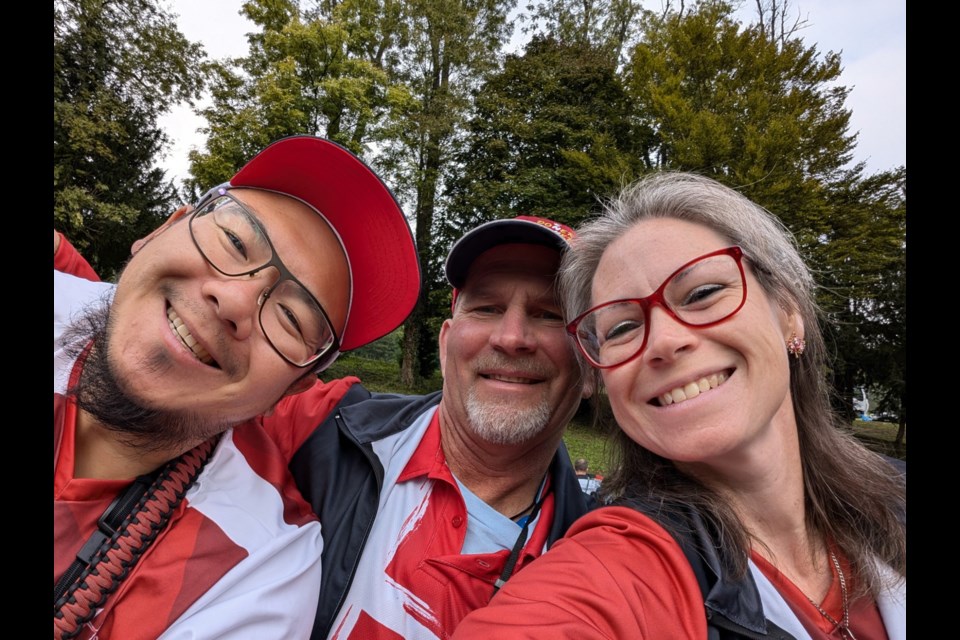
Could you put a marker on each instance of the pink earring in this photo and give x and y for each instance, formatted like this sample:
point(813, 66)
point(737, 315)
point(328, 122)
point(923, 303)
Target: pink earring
point(796, 345)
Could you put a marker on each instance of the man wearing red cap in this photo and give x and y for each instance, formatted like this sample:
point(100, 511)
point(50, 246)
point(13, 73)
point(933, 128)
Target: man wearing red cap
point(429, 503)
point(221, 312)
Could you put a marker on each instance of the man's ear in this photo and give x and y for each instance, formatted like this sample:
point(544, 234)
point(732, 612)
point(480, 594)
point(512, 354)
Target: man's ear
point(444, 329)
point(177, 215)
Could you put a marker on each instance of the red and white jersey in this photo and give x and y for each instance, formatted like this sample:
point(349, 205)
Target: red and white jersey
point(240, 557)
point(412, 580)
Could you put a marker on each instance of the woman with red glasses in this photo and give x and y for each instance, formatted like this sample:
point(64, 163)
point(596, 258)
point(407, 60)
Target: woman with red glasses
point(741, 507)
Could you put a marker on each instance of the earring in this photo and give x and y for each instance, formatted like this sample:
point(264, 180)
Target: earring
point(796, 345)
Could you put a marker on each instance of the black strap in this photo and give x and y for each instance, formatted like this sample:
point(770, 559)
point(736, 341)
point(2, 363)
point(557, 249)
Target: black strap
point(521, 539)
point(107, 526)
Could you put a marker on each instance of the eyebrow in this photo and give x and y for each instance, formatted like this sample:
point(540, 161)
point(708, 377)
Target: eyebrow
point(680, 275)
point(255, 223)
point(488, 293)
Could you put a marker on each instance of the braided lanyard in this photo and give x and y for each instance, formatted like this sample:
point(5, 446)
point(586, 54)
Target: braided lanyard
point(124, 533)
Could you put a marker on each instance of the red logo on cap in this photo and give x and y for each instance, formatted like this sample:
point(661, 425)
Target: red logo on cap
point(561, 230)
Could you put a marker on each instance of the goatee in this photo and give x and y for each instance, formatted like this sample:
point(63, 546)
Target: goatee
point(504, 422)
point(102, 394)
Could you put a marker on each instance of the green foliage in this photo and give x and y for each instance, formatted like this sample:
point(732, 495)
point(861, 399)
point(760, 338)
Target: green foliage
point(861, 249)
point(386, 349)
point(726, 100)
point(323, 70)
point(551, 135)
point(450, 45)
point(117, 67)
point(608, 25)
point(584, 441)
point(379, 375)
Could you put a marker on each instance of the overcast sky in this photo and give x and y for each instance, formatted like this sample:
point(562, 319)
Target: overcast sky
point(870, 34)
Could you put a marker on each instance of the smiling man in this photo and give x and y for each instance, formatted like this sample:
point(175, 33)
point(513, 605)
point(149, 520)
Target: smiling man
point(220, 313)
point(430, 502)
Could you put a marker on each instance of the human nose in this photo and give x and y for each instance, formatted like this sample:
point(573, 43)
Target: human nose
point(236, 300)
point(667, 337)
point(513, 333)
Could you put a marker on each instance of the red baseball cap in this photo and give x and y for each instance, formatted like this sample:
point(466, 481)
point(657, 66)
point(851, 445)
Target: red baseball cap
point(361, 210)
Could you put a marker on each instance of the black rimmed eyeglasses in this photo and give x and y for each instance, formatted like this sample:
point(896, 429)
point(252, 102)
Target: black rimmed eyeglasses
point(232, 240)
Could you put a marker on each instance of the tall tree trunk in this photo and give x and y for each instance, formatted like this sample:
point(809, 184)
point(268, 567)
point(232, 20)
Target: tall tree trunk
point(426, 205)
point(435, 132)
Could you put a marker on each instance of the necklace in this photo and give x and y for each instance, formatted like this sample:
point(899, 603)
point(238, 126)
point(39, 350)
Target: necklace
point(525, 509)
point(844, 624)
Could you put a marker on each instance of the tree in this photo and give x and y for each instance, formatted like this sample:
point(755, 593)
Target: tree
point(762, 115)
point(757, 108)
point(452, 43)
point(324, 69)
point(550, 136)
point(117, 67)
point(862, 261)
point(609, 25)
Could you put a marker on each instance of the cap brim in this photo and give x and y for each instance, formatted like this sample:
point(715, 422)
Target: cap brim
point(491, 234)
point(363, 212)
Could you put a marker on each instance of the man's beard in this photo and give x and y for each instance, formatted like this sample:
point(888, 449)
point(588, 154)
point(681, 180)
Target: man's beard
point(504, 422)
point(102, 393)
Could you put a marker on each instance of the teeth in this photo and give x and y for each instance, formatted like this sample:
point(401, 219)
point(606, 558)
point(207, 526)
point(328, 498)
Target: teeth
point(181, 330)
point(693, 389)
point(510, 379)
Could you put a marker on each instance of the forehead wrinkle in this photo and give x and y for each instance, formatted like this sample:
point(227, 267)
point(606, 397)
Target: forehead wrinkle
point(512, 265)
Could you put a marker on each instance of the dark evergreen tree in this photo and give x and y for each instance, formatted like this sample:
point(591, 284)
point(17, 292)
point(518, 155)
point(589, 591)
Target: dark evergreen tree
point(551, 134)
point(118, 65)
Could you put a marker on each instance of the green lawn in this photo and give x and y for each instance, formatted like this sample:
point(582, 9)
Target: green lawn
point(881, 436)
point(584, 442)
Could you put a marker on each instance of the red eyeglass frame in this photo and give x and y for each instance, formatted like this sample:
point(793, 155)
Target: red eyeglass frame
point(656, 299)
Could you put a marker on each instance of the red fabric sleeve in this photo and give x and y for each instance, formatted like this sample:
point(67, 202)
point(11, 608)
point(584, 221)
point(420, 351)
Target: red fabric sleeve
point(68, 259)
point(295, 417)
point(616, 574)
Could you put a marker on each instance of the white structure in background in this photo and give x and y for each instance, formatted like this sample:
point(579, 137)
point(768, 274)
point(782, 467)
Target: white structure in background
point(862, 406)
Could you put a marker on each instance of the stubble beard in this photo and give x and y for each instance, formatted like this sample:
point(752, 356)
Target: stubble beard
point(105, 395)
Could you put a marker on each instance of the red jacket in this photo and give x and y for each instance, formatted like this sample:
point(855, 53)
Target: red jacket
point(616, 574)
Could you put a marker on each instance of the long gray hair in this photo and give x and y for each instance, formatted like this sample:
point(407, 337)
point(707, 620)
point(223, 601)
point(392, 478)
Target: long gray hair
point(853, 497)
